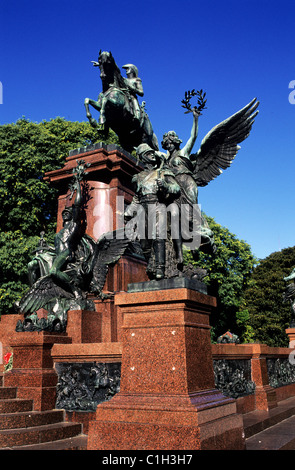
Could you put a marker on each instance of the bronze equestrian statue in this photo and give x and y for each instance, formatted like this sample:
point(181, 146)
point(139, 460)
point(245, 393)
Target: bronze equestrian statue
point(118, 105)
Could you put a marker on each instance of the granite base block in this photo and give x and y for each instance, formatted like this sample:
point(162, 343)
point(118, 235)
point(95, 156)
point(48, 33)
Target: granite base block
point(167, 423)
point(167, 397)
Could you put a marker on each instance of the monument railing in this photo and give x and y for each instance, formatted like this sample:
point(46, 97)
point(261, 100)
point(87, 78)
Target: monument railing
point(256, 375)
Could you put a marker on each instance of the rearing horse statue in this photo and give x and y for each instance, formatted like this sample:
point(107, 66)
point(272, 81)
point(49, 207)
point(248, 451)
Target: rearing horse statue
point(118, 105)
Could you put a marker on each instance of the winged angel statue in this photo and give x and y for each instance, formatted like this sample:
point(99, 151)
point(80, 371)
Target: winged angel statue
point(216, 153)
point(190, 170)
point(63, 276)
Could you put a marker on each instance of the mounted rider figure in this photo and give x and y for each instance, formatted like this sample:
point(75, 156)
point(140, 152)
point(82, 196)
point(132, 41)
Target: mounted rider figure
point(134, 88)
point(118, 105)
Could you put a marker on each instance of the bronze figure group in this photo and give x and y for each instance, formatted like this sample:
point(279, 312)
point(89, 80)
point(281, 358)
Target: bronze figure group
point(164, 214)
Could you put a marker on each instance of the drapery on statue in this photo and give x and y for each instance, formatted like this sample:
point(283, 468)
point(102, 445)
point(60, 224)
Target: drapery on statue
point(217, 151)
point(118, 105)
point(77, 266)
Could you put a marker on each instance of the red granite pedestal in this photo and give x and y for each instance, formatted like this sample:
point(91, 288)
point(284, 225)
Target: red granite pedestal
point(33, 372)
point(168, 399)
point(109, 182)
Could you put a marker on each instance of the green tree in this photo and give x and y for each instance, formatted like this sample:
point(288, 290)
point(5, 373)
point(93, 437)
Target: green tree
point(16, 250)
point(28, 204)
point(263, 299)
point(229, 272)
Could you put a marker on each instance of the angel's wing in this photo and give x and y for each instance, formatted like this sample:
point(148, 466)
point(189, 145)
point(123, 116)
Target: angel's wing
point(110, 247)
point(220, 146)
point(41, 293)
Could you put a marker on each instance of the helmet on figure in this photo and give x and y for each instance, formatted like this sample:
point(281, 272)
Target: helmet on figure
point(130, 68)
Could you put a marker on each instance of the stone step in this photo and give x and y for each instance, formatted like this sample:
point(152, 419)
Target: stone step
point(29, 419)
point(273, 429)
point(15, 405)
point(281, 436)
point(73, 443)
point(38, 434)
point(7, 392)
point(258, 420)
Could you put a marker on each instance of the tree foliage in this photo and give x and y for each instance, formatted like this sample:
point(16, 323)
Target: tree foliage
point(229, 272)
point(28, 204)
point(263, 299)
point(16, 251)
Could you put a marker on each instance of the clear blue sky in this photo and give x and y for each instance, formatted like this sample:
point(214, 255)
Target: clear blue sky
point(234, 50)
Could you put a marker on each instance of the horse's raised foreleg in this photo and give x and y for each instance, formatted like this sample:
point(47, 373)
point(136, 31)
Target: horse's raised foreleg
point(96, 106)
